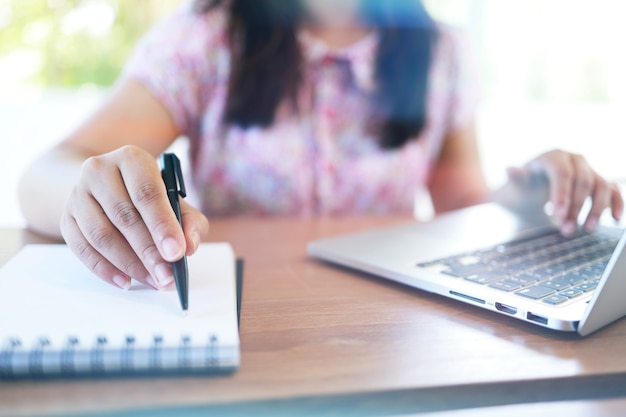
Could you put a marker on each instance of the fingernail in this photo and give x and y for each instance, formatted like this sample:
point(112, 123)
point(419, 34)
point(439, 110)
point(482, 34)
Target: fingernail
point(150, 282)
point(163, 274)
point(171, 249)
point(195, 237)
point(121, 282)
point(568, 228)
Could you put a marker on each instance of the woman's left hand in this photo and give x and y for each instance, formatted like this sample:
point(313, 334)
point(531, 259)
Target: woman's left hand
point(571, 181)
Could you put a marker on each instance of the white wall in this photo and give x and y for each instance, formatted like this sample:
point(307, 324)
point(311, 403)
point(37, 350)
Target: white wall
point(30, 123)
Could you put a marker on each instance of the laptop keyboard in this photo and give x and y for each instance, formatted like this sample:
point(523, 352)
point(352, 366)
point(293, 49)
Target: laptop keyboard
point(551, 268)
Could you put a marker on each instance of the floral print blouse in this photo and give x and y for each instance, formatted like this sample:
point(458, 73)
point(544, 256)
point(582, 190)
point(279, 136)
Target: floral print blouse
point(320, 161)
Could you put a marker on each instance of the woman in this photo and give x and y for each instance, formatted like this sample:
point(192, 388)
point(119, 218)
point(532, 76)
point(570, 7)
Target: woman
point(292, 108)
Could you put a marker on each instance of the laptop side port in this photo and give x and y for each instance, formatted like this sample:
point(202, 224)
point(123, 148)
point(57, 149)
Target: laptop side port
point(537, 319)
point(506, 309)
point(467, 297)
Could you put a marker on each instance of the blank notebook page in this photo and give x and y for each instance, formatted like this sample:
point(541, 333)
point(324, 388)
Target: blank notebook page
point(45, 291)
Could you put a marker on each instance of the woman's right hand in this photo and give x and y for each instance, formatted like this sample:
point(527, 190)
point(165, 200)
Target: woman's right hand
point(119, 223)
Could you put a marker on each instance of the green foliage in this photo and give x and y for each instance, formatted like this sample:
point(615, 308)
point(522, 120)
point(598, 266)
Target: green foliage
point(67, 43)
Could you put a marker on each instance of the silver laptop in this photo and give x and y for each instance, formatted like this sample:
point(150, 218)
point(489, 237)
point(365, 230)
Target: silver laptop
point(516, 265)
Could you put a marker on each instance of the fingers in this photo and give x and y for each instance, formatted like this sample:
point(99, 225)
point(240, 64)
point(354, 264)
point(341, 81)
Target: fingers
point(142, 179)
point(584, 182)
point(572, 182)
point(195, 227)
point(111, 225)
point(617, 202)
point(112, 212)
point(559, 170)
point(605, 195)
point(93, 259)
point(601, 199)
point(119, 221)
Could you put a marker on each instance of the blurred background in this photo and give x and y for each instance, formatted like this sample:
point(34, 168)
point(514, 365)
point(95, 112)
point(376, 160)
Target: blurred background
point(553, 74)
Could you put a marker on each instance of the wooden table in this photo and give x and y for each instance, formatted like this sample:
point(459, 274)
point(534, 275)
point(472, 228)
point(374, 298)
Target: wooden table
point(317, 339)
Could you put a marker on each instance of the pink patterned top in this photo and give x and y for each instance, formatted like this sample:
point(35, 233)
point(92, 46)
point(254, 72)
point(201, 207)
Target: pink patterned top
point(319, 161)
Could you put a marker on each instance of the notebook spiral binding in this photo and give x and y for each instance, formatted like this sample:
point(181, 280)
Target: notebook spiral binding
point(101, 358)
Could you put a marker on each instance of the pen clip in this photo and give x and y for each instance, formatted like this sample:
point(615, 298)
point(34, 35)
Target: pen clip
point(173, 174)
point(179, 176)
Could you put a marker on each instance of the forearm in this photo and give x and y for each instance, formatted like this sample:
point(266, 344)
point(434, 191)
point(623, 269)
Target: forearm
point(45, 187)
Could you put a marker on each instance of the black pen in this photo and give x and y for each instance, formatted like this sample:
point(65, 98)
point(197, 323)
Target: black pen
point(175, 186)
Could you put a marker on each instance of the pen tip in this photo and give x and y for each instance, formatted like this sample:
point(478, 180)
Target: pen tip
point(186, 312)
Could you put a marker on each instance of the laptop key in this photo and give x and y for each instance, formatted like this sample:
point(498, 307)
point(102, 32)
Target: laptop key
point(572, 278)
point(555, 299)
point(505, 286)
point(535, 292)
point(524, 278)
point(465, 270)
point(486, 277)
point(571, 293)
point(586, 273)
point(513, 269)
point(545, 272)
point(586, 287)
point(556, 284)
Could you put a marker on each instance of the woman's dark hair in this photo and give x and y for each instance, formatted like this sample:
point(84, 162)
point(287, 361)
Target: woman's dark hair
point(266, 62)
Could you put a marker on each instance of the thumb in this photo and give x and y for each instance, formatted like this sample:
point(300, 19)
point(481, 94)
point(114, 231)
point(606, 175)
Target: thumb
point(519, 176)
point(195, 226)
point(529, 176)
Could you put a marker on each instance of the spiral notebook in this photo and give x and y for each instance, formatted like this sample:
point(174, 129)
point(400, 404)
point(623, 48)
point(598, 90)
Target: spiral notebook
point(58, 319)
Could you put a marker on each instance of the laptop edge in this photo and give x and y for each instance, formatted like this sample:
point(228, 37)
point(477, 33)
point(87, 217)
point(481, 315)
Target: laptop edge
point(394, 252)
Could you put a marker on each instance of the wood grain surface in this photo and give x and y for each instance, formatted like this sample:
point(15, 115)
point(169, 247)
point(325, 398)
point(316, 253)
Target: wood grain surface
point(321, 340)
